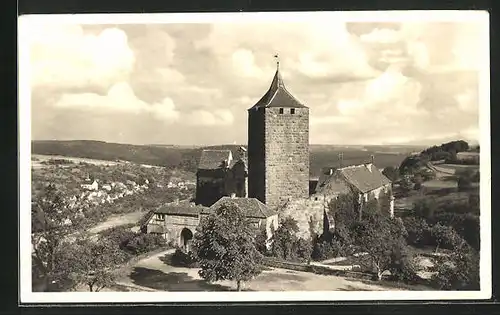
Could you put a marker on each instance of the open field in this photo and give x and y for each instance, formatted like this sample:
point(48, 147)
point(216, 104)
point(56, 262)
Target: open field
point(460, 168)
point(37, 159)
point(156, 273)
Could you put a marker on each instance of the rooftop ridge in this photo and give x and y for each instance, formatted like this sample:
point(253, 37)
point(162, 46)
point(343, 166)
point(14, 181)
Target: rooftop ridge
point(278, 86)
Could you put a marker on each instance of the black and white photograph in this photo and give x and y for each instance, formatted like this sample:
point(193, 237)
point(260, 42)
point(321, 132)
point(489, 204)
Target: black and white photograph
point(218, 157)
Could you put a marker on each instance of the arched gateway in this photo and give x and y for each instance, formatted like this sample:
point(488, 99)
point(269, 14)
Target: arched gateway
point(185, 239)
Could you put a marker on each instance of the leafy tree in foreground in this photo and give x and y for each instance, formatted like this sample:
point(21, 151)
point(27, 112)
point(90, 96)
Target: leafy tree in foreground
point(444, 235)
point(460, 271)
point(52, 221)
point(383, 241)
point(224, 247)
point(90, 262)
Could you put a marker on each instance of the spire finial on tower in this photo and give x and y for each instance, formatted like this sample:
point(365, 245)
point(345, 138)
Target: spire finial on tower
point(277, 57)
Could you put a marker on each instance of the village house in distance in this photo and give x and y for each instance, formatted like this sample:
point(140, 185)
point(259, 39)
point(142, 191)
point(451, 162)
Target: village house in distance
point(271, 179)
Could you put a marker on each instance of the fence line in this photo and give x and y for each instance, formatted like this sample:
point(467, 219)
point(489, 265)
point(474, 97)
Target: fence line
point(316, 268)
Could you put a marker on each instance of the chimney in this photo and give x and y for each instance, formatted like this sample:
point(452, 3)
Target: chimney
point(341, 157)
point(372, 158)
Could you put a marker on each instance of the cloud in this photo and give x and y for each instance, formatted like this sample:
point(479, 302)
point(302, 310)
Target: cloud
point(326, 49)
point(120, 98)
point(217, 117)
point(65, 56)
point(383, 35)
point(363, 82)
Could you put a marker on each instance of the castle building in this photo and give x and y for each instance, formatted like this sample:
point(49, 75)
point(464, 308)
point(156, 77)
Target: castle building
point(220, 174)
point(278, 147)
point(271, 177)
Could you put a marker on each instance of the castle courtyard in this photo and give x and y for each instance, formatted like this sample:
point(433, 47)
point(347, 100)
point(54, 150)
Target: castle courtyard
point(156, 274)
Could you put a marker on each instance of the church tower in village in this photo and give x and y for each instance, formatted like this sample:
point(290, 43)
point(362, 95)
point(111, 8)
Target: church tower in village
point(278, 146)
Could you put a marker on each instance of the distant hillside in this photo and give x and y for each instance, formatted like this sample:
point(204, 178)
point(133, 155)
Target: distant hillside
point(162, 156)
point(186, 158)
point(445, 152)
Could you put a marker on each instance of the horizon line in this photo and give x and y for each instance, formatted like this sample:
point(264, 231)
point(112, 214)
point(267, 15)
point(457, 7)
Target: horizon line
point(408, 144)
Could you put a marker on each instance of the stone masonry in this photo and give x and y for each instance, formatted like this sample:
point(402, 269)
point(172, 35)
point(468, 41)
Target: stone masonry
point(278, 147)
point(286, 155)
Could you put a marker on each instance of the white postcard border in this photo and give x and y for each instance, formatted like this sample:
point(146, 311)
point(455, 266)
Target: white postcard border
point(24, 108)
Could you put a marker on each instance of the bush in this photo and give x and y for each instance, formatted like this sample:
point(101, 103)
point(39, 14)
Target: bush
point(402, 266)
point(181, 259)
point(142, 243)
point(119, 235)
point(458, 272)
point(260, 243)
point(418, 231)
point(286, 245)
point(464, 183)
point(327, 247)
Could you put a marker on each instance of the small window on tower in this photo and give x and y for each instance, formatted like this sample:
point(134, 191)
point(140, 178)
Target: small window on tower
point(292, 111)
point(281, 110)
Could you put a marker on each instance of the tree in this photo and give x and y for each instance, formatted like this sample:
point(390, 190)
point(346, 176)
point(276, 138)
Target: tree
point(286, 245)
point(444, 234)
point(459, 271)
point(344, 211)
point(418, 180)
point(52, 221)
point(464, 182)
point(418, 231)
point(405, 184)
point(284, 238)
point(391, 173)
point(90, 262)
point(425, 208)
point(381, 238)
point(224, 246)
point(410, 165)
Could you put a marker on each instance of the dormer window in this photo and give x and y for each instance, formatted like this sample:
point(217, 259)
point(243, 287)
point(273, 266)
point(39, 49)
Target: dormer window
point(292, 111)
point(281, 110)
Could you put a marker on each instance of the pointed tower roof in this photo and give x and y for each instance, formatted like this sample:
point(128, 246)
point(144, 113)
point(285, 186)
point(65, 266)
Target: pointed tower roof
point(278, 95)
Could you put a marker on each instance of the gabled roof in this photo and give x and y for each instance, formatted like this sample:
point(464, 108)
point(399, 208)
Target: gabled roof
point(181, 208)
point(251, 207)
point(332, 185)
point(214, 159)
point(365, 177)
point(145, 219)
point(277, 95)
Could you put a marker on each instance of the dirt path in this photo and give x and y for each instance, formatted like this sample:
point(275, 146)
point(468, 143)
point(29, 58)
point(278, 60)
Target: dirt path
point(117, 220)
point(156, 273)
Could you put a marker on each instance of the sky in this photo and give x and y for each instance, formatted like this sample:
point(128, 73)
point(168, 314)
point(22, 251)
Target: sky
point(192, 83)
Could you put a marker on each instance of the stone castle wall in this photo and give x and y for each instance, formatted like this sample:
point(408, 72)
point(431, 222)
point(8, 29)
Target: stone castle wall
point(286, 155)
point(309, 214)
point(175, 224)
point(256, 154)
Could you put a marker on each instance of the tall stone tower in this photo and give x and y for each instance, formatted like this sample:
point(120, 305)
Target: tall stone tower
point(278, 146)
